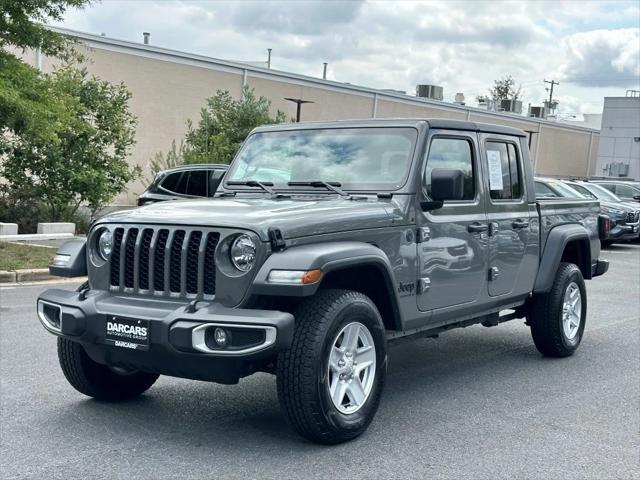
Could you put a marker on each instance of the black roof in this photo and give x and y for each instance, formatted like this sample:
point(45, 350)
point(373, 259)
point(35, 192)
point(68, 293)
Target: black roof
point(440, 123)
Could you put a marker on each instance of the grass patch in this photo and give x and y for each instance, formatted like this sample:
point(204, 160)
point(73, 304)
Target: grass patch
point(14, 256)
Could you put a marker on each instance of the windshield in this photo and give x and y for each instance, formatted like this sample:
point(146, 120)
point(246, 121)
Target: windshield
point(602, 193)
point(566, 190)
point(353, 158)
point(583, 191)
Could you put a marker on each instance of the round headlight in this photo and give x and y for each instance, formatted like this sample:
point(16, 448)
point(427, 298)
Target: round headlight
point(243, 253)
point(105, 244)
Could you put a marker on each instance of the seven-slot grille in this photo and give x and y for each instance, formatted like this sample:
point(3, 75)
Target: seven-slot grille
point(633, 217)
point(164, 261)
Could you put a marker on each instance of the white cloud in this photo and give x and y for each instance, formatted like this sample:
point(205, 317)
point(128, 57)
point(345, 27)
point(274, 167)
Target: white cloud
point(463, 46)
point(603, 58)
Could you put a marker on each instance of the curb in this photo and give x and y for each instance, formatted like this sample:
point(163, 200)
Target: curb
point(30, 275)
point(34, 237)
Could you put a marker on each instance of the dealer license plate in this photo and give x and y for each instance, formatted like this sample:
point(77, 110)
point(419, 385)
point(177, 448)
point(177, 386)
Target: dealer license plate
point(127, 333)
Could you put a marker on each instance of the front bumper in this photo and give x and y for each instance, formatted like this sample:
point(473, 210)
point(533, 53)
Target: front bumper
point(177, 342)
point(624, 231)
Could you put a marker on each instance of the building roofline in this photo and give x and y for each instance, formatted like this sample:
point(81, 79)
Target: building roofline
point(318, 82)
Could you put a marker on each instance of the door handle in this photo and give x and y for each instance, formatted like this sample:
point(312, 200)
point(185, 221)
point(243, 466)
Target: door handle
point(518, 224)
point(477, 227)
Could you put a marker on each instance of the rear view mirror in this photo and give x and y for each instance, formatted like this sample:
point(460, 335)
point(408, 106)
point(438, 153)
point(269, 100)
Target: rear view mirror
point(445, 185)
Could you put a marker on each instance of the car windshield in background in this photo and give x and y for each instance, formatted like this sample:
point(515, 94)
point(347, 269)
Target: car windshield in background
point(353, 158)
point(602, 193)
point(566, 190)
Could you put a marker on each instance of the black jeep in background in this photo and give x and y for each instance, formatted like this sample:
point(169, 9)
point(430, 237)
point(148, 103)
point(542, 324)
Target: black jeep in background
point(183, 182)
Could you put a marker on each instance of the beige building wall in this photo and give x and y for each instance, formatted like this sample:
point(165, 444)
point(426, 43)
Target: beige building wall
point(169, 87)
point(389, 108)
point(564, 153)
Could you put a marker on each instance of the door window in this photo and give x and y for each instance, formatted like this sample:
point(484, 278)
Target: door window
point(504, 171)
point(451, 154)
point(625, 191)
point(197, 184)
point(175, 182)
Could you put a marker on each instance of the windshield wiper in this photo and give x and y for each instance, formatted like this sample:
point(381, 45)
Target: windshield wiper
point(333, 186)
point(254, 183)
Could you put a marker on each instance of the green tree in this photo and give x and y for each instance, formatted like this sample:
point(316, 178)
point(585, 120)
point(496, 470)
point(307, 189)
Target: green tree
point(224, 124)
point(505, 89)
point(21, 24)
point(82, 155)
point(162, 161)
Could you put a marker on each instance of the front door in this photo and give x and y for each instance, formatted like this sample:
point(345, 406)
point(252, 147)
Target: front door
point(507, 212)
point(452, 248)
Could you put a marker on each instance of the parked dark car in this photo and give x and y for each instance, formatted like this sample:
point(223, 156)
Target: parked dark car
point(183, 182)
point(626, 190)
point(624, 216)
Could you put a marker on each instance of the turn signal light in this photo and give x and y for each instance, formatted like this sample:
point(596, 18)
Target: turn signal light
point(311, 276)
point(299, 277)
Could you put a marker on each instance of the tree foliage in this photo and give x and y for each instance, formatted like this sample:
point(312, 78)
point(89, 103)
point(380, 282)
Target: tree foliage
point(505, 89)
point(67, 138)
point(21, 24)
point(162, 161)
point(224, 124)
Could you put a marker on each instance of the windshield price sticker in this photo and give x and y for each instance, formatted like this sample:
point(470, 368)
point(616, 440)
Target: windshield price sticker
point(495, 170)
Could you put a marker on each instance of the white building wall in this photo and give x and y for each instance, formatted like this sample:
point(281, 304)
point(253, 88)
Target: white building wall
point(619, 137)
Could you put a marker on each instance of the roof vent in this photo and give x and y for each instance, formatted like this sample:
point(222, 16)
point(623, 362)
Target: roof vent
point(433, 92)
point(145, 36)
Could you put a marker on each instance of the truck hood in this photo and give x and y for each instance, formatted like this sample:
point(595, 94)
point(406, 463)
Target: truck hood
point(626, 206)
point(294, 217)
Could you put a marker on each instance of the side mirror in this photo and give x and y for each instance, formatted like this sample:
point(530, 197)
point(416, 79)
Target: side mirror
point(445, 185)
point(636, 197)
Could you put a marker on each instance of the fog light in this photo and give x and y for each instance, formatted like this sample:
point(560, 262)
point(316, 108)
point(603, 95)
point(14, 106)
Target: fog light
point(220, 337)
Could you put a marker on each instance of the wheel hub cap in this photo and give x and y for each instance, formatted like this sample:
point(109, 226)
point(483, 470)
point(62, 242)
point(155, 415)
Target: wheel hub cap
point(571, 311)
point(352, 367)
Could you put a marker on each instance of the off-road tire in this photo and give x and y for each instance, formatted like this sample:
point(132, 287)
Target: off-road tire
point(302, 369)
point(545, 316)
point(96, 380)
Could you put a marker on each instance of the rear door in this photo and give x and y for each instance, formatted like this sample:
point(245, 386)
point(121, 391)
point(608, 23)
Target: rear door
point(507, 212)
point(452, 248)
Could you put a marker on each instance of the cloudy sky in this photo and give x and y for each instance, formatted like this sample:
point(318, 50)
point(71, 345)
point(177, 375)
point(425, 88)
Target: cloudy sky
point(592, 48)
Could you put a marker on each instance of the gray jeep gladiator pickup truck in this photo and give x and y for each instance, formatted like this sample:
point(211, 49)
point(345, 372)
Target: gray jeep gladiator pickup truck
point(323, 242)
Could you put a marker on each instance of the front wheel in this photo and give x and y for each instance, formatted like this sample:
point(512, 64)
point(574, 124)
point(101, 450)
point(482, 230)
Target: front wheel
point(97, 380)
point(558, 317)
point(331, 379)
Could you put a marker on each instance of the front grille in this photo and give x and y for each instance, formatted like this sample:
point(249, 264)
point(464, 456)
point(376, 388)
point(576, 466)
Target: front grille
point(164, 261)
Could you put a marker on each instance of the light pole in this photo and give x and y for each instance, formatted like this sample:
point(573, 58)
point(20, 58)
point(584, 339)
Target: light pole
point(298, 102)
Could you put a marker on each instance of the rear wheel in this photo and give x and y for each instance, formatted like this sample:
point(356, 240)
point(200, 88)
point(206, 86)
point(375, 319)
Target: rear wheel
point(97, 380)
point(558, 317)
point(331, 379)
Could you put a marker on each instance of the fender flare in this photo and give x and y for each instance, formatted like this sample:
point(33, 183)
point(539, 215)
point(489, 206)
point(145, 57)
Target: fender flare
point(75, 265)
point(328, 257)
point(557, 240)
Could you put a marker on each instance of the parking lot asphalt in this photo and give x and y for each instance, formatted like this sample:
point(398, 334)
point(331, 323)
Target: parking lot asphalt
point(474, 403)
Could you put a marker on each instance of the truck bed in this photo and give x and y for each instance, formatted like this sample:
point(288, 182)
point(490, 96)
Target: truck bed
point(559, 211)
